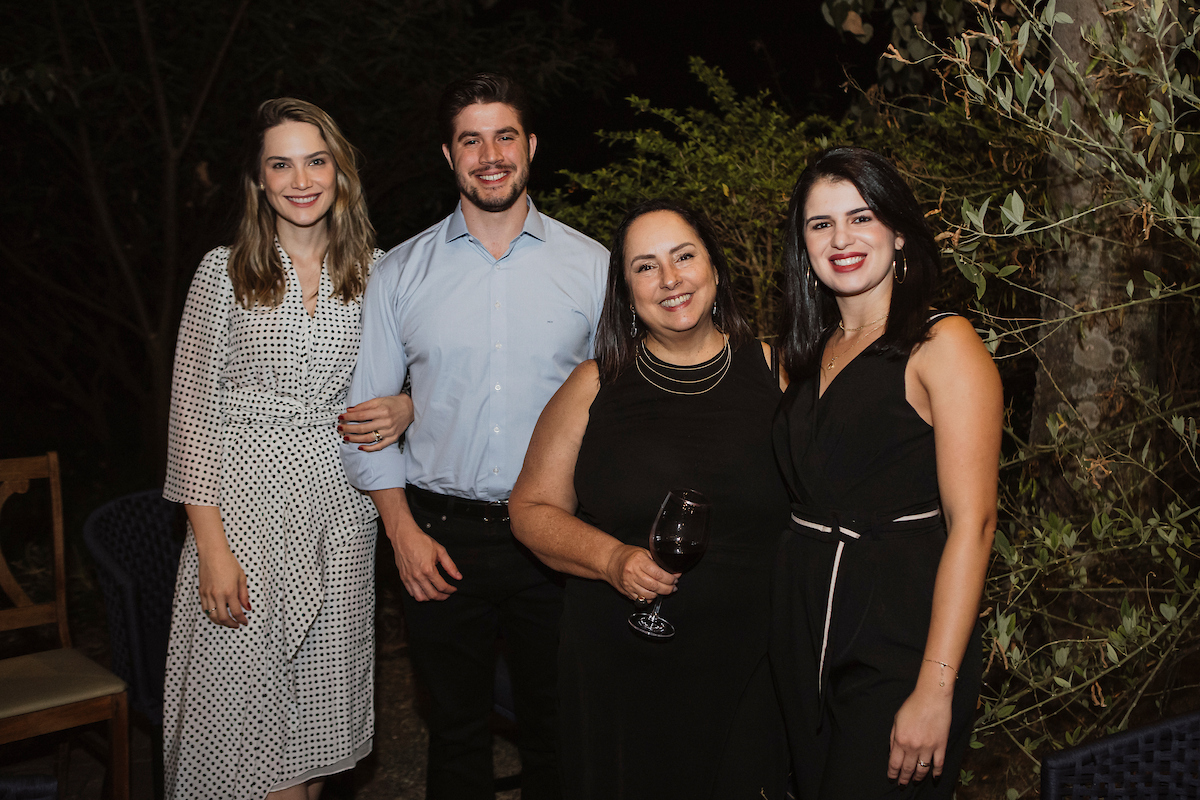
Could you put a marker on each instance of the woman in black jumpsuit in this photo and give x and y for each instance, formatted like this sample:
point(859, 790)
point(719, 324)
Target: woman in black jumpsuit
point(888, 437)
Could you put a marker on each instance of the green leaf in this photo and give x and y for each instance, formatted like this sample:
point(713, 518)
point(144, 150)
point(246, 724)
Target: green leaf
point(993, 63)
point(1129, 289)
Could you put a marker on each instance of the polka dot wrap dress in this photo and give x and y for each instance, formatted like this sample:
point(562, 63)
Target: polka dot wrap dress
point(254, 406)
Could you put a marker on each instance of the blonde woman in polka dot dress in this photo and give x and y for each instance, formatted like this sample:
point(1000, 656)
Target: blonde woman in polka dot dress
point(270, 669)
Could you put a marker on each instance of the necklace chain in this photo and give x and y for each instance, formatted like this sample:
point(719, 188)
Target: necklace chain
point(860, 327)
point(644, 364)
point(833, 359)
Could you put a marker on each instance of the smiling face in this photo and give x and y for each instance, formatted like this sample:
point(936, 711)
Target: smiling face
point(298, 174)
point(490, 155)
point(671, 279)
point(850, 250)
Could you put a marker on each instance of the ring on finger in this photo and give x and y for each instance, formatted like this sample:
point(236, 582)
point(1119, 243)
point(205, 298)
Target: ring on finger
point(378, 437)
point(924, 764)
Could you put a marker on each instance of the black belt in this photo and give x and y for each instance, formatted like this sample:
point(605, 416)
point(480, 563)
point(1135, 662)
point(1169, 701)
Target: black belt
point(449, 506)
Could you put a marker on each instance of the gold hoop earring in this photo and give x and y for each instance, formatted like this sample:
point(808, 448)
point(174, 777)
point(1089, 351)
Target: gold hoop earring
point(900, 276)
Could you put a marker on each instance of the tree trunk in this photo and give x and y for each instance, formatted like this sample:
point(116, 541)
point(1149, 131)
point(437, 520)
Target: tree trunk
point(1089, 365)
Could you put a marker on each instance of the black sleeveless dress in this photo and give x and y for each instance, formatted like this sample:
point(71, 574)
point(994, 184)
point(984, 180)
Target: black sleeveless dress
point(853, 588)
point(694, 717)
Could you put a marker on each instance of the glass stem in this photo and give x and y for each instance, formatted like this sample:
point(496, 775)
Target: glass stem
point(654, 611)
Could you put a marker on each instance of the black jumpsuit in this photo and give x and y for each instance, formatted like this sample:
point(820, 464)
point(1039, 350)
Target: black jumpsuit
point(853, 589)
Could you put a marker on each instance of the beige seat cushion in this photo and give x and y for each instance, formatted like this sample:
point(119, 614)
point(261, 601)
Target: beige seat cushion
point(52, 678)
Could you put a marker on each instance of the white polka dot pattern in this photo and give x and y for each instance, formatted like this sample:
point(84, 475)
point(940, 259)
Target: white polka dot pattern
point(254, 404)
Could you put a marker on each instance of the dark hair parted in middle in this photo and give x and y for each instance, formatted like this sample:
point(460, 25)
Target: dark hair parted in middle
point(482, 87)
point(615, 347)
point(810, 313)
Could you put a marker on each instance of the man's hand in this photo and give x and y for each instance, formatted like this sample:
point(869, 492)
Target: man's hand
point(418, 555)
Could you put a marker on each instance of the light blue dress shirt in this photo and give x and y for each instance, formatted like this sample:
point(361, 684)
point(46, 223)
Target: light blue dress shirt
point(488, 341)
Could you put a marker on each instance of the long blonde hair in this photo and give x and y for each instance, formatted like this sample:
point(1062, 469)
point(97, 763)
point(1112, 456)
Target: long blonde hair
point(254, 264)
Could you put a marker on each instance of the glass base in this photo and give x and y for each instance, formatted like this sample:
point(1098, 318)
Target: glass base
point(651, 625)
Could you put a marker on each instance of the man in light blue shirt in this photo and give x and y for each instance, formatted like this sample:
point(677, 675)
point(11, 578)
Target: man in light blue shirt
point(491, 309)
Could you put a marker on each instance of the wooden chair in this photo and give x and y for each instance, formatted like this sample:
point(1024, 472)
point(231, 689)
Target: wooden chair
point(58, 689)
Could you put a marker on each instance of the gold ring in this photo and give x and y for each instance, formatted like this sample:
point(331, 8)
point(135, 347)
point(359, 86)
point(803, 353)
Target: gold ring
point(378, 437)
point(922, 764)
point(641, 599)
point(211, 611)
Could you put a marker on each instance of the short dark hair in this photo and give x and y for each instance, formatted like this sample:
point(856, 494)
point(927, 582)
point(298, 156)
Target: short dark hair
point(810, 312)
point(482, 87)
point(615, 347)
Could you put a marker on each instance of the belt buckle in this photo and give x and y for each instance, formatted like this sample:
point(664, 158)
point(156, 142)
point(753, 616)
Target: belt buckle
point(501, 510)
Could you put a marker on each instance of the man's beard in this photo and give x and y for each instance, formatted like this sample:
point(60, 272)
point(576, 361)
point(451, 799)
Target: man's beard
point(494, 204)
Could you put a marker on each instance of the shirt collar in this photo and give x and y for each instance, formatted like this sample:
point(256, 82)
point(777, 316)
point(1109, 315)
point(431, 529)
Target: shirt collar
point(534, 226)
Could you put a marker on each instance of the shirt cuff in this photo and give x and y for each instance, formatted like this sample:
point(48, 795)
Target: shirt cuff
point(381, 469)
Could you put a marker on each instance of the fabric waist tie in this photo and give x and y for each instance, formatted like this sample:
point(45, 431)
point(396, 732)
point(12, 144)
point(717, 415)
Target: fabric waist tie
point(242, 407)
point(844, 535)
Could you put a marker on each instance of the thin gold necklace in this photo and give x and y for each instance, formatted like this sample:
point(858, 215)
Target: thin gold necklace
point(860, 327)
point(833, 359)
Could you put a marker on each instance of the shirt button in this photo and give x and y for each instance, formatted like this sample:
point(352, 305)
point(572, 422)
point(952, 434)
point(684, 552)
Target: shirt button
point(496, 429)
point(497, 387)
point(496, 470)
point(497, 345)
point(497, 304)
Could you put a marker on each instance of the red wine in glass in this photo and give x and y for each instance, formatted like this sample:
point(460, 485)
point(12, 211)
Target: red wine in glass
point(678, 539)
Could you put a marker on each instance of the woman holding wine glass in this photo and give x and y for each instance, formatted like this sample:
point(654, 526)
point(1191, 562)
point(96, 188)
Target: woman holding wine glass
point(680, 396)
point(889, 438)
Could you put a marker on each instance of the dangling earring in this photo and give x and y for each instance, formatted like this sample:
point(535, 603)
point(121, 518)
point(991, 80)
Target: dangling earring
point(900, 276)
point(714, 308)
point(632, 323)
point(261, 187)
point(812, 280)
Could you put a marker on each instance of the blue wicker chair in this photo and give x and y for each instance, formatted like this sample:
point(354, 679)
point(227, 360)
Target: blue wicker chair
point(135, 542)
point(1159, 762)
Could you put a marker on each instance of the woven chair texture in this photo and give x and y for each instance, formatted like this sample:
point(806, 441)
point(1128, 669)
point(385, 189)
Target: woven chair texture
point(136, 541)
point(1160, 761)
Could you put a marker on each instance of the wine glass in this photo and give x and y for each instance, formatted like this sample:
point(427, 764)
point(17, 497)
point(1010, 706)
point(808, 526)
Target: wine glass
point(678, 539)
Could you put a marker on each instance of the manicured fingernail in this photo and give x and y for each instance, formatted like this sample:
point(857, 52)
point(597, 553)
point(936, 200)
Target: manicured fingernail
point(360, 447)
point(340, 417)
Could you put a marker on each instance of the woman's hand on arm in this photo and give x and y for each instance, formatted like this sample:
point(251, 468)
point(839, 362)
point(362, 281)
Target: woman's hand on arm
point(543, 502)
point(959, 389)
point(390, 416)
point(223, 588)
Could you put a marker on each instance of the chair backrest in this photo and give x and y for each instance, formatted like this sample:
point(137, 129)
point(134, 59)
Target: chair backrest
point(15, 475)
point(1160, 760)
point(135, 542)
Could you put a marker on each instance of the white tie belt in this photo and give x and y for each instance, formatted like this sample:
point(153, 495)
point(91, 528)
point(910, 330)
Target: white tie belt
point(844, 535)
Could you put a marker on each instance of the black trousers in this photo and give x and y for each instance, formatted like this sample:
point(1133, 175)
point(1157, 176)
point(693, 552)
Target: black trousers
point(452, 643)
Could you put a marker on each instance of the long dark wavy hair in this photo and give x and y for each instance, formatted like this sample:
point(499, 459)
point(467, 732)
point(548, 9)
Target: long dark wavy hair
point(615, 347)
point(810, 312)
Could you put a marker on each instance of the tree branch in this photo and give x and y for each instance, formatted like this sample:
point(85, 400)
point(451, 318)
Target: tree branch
point(96, 194)
point(83, 300)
